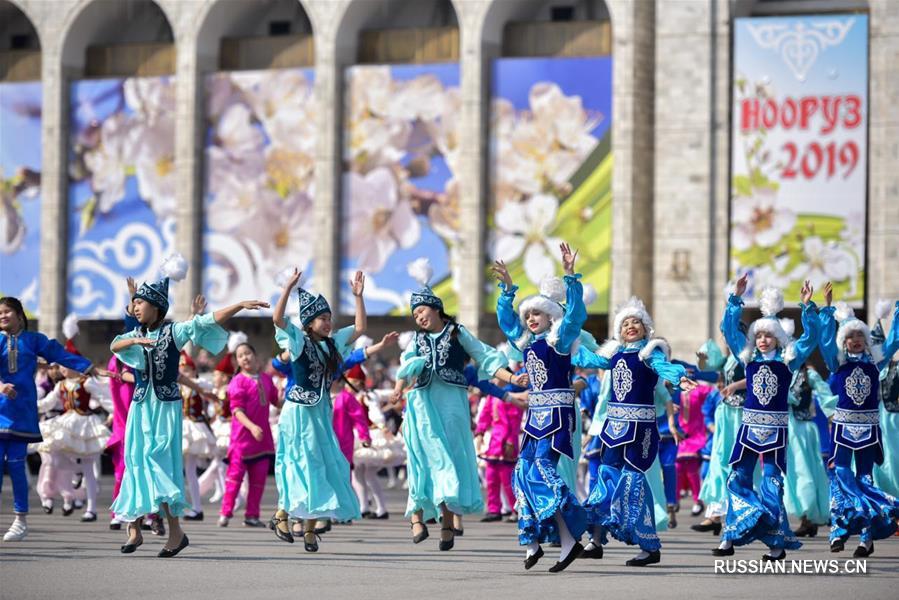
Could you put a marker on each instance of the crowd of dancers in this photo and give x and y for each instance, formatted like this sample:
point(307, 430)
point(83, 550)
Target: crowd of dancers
point(575, 441)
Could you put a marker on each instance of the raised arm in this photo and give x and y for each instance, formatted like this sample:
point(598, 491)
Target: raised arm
point(223, 314)
point(357, 285)
point(508, 319)
point(892, 342)
point(281, 306)
point(806, 344)
point(575, 310)
point(827, 331)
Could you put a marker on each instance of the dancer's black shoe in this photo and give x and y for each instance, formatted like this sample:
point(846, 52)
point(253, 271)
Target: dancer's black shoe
point(654, 557)
point(563, 564)
point(171, 552)
point(531, 560)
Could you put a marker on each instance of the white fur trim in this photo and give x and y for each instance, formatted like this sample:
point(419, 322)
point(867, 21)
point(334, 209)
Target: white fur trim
point(770, 325)
point(634, 307)
point(405, 339)
point(70, 326)
point(420, 270)
point(771, 301)
point(540, 302)
point(882, 309)
point(652, 344)
point(609, 348)
point(843, 312)
point(789, 326)
point(553, 288)
point(790, 353)
point(850, 325)
point(174, 267)
point(235, 339)
point(363, 342)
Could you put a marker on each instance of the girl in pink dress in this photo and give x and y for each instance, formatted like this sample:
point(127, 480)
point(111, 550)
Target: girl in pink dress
point(121, 388)
point(689, 458)
point(250, 393)
point(503, 421)
point(349, 414)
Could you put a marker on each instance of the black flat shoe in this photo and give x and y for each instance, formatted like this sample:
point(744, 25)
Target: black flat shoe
point(281, 535)
point(654, 557)
point(698, 509)
point(491, 517)
point(563, 564)
point(157, 527)
point(383, 517)
point(88, 517)
point(67, 511)
point(115, 526)
point(531, 560)
point(367, 514)
point(715, 528)
point(863, 552)
point(723, 551)
point(447, 544)
point(421, 536)
point(768, 558)
point(48, 509)
point(431, 521)
point(194, 517)
point(838, 545)
point(807, 529)
point(313, 545)
point(166, 553)
point(594, 552)
point(130, 548)
point(325, 529)
point(253, 523)
point(458, 532)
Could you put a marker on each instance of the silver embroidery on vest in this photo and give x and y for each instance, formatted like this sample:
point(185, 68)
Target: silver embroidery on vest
point(537, 371)
point(622, 380)
point(858, 386)
point(764, 385)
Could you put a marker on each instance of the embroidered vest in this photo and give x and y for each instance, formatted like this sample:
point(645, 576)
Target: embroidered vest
point(194, 405)
point(856, 421)
point(161, 370)
point(310, 377)
point(734, 371)
point(443, 355)
point(551, 408)
point(78, 399)
point(802, 391)
point(631, 413)
point(889, 389)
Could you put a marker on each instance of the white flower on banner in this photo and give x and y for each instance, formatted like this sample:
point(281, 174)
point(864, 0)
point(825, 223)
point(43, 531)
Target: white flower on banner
point(522, 229)
point(151, 99)
point(445, 130)
point(375, 143)
point(109, 160)
point(380, 219)
point(236, 135)
point(155, 165)
point(825, 262)
point(758, 220)
point(370, 91)
point(12, 226)
point(421, 98)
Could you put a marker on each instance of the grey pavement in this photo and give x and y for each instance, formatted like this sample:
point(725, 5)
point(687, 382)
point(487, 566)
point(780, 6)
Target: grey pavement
point(369, 560)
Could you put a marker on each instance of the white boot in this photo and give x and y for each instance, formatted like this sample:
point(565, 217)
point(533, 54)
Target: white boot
point(17, 531)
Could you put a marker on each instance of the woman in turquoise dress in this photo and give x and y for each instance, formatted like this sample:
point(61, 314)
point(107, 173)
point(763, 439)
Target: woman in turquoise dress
point(806, 489)
point(311, 472)
point(153, 480)
point(441, 460)
point(886, 475)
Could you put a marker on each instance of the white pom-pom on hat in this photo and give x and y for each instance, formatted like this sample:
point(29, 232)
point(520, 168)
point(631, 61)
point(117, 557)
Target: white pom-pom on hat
point(70, 326)
point(771, 301)
point(843, 312)
point(553, 288)
point(405, 339)
point(789, 326)
point(421, 270)
point(882, 309)
point(174, 267)
point(235, 339)
point(590, 294)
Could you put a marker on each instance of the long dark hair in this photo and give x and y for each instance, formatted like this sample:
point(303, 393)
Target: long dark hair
point(332, 358)
point(16, 306)
point(452, 321)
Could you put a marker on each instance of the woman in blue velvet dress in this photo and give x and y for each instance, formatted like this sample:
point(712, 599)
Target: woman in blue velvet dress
point(770, 359)
point(857, 505)
point(545, 331)
point(622, 500)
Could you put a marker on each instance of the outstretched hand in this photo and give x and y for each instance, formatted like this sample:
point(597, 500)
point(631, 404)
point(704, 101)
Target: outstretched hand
point(357, 284)
point(390, 339)
point(807, 291)
point(132, 287)
point(293, 280)
point(568, 258)
point(501, 272)
point(828, 293)
point(253, 304)
point(198, 306)
point(742, 283)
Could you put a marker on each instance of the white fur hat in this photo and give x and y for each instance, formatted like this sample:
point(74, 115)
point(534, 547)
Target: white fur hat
point(634, 307)
point(548, 301)
point(789, 326)
point(849, 323)
point(235, 339)
point(771, 302)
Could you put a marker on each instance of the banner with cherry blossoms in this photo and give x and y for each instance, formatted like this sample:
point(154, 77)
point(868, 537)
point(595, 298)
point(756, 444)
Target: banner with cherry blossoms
point(121, 206)
point(799, 153)
point(20, 180)
point(400, 193)
point(551, 171)
point(259, 188)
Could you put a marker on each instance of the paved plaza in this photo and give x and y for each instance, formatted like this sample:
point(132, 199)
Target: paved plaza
point(64, 558)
